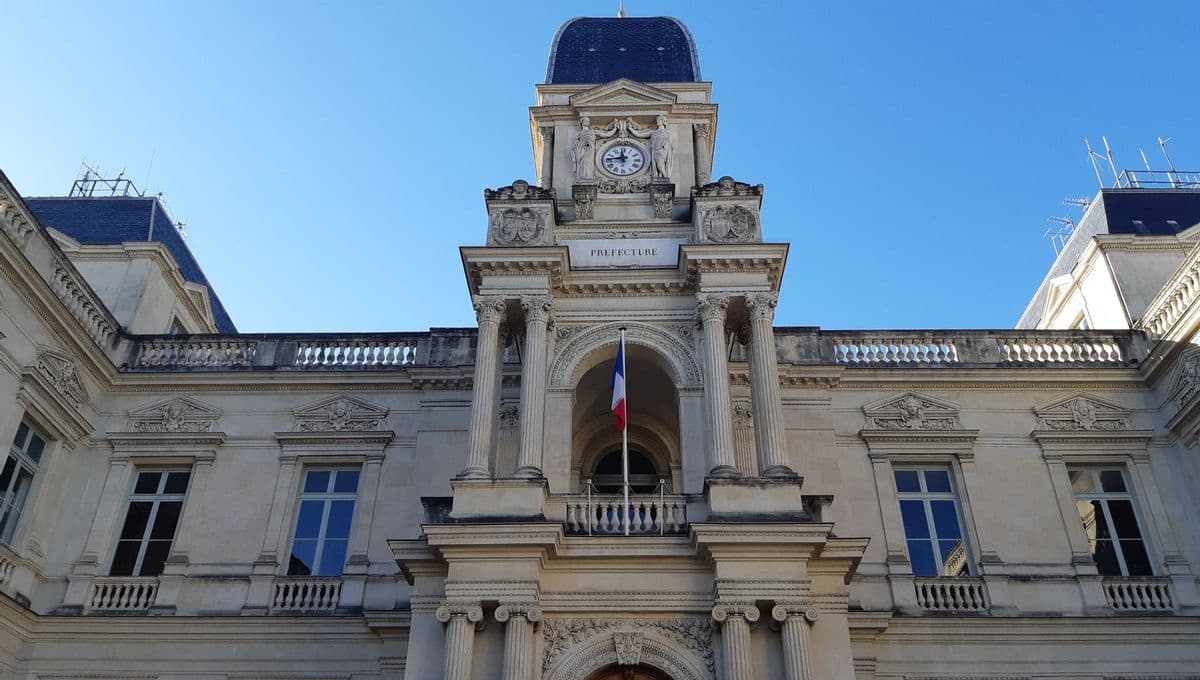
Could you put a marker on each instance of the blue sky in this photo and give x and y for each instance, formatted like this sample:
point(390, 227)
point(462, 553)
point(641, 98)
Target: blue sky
point(328, 158)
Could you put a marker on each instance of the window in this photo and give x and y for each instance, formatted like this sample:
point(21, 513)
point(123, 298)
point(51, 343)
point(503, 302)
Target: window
point(150, 521)
point(1105, 505)
point(21, 466)
point(643, 478)
point(929, 510)
point(323, 522)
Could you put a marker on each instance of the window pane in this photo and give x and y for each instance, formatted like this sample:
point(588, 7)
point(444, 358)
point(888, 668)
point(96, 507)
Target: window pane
point(147, 482)
point(1123, 519)
point(945, 519)
point(125, 558)
point(6, 476)
point(906, 480)
point(36, 445)
point(921, 554)
point(915, 525)
point(1106, 558)
point(316, 481)
point(340, 515)
point(937, 480)
point(1112, 480)
point(1136, 559)
point(1093, 519)
point(165, 520)
point(333, 558)
point(135, 520)
point(177, 482)
point(8, 523)
point(156, 556)
point(301, 562)
point(1081, 481)
point(347, 481)
point(22, 435)
point(308, 521)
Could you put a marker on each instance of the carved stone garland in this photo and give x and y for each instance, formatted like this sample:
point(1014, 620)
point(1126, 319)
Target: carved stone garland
point(572, 350)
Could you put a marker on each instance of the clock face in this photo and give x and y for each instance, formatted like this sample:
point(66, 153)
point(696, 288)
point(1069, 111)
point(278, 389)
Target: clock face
point(623, 159)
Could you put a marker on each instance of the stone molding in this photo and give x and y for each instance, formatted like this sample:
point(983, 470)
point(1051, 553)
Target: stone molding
point(519, 190)
point(762, 305)
point(537, 307)
point(785, 610)
point(178, 414)
point(52, 390)
point(570, 353)
point(711, 307)
point(489, 308)
point(747, 610)
point(530, 610)
point(726, 186)
point(450, 610)
point(60, 373)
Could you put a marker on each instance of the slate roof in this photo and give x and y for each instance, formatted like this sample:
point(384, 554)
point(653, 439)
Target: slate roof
point(645, 49)
point(122, 219)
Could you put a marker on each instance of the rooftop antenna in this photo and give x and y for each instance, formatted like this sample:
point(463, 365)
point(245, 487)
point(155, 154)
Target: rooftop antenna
point(1172, 175)
point(620, 9)
point(1081, 202)
point(1112, 166)
point(1058, 233)
point(1094, 156)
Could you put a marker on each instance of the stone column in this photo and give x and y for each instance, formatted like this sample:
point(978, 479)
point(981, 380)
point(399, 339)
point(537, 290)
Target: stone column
point(764, 388)
point(700, 149)
point(519, 620)
point(533, 385)
point(735, 620)
point(546, 176)
point(794, 620)
point(461, 621)
point(489, 310)
point(716, 384)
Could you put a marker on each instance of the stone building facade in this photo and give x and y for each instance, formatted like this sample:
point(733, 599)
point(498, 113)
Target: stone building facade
point(181, 501)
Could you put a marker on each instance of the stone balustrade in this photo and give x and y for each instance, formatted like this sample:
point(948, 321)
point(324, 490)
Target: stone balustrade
point(951, 594)
point(801, 346)
point(83, 305)
point(1138, 594)
point(302, 594)
point(604, 514)
point(965, 349)
point(1175, 298)
point(121, 594)
point(8, 567)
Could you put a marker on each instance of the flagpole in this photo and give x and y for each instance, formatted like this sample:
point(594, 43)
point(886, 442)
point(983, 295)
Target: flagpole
point(625, 435)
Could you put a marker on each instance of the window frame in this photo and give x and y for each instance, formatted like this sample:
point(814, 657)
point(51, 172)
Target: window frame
point(22, 461)
point(925, 497)
point(156, 498)
point(326, 498)
point(1130, 494)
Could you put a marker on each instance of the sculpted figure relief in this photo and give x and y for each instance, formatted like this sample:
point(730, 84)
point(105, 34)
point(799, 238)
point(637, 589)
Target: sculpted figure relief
point(661, 147)
point(583, 153)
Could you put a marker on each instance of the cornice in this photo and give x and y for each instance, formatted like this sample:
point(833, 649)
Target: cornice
point(954, 438)
point(374, 439)
point(1104, 439)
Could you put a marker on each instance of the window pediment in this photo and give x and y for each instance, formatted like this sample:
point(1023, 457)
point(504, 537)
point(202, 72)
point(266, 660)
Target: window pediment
point(177, 414)
point(912, 411)
point(340, 413)
point(1081, 412)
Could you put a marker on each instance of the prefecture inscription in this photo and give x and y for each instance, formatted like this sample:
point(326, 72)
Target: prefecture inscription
point(642, 252)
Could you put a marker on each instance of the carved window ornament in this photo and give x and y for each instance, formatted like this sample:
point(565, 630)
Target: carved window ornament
point(341, 413)
point(911, 412)
point(177, 414)
point(52, 390)
point(574, 649)
point(1081, 413)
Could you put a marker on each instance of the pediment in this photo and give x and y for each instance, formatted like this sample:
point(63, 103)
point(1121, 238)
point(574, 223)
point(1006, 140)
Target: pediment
point(339, 413)
point(59, 371)
point(912, 411)
point(1081, 412)
point(1056, 294)
point(623, 91)
point(63, 241)
point(1187, 377)
point(176, 414)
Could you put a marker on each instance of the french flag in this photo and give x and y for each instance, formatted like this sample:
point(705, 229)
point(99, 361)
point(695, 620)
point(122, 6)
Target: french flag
point(618, 387)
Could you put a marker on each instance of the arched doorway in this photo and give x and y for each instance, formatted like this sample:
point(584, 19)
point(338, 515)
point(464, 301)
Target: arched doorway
point(628, 673)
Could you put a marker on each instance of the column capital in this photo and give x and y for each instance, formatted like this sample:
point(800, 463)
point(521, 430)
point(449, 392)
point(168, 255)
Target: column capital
point(537, 307)
point(488, 308)
point(762, 305)
point(465, 610)
point(785, 610)
point(710, 307)
point(529, 610)
point(701, 130)
point(724, 610)
point(546, 130)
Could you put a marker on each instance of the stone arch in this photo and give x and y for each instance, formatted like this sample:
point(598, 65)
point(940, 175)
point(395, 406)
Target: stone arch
point(571, 358)
point(601, 652)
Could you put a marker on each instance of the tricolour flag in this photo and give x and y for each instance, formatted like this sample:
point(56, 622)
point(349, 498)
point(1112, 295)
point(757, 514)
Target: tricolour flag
point(618, 387)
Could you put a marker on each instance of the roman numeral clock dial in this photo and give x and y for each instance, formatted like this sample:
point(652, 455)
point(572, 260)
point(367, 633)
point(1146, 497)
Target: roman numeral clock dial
point(623, 159)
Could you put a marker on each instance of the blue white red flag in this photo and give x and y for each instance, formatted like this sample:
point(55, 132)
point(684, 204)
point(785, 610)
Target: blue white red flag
point(618, 387)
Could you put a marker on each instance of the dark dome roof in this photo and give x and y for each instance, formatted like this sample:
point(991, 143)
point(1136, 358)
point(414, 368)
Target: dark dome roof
point(646, 49)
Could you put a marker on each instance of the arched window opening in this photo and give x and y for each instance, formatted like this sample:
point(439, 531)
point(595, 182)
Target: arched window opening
point(643, 478)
